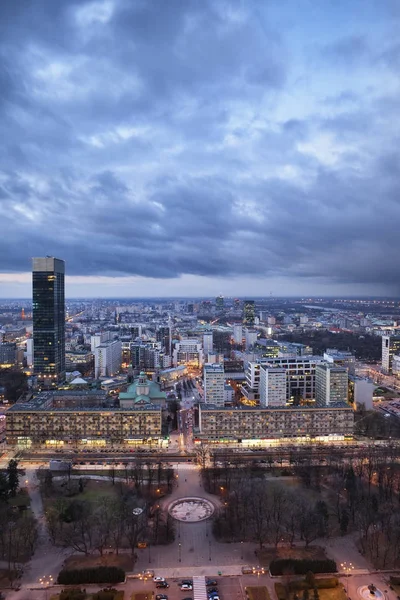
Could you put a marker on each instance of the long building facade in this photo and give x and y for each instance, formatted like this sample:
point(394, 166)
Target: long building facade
point(247, 423)
point(51, 420)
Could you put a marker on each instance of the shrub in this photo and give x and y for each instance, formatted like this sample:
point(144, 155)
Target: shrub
point(302, 566)
point(73, 594)
point(108, 594)
point(91, 575)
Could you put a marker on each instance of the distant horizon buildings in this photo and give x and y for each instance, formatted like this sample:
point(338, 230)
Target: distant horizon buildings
point(48, 314)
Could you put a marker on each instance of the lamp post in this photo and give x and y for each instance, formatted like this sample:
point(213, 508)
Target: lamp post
point(45, 582)
point(347, 568)
point(241, 550)
point(179, 551)
point(209, 550)
point(149, 554)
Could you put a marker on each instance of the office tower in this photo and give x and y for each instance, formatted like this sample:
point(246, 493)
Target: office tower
point(331, 384)
point(219, 303)
point(273, 386)
point(163, 335)
point(107, 359)
point(207, 342)
point(29, 352)
point(248, 313)
point(250, 337)
point(237, 333)
point(214, 384)
point(390, 347)
point(48, 315)
point(8, 354)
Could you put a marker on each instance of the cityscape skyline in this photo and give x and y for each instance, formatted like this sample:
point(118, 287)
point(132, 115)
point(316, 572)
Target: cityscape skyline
point(234, 148)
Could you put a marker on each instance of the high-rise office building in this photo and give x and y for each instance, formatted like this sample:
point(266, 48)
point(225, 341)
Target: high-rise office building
point(219, 303)
point(273, 386)
point(248, 313)
point(390, 347)
point(214, 384)
point(331, 384)
point(48, 315)
point(107, 359)
point(207, 342)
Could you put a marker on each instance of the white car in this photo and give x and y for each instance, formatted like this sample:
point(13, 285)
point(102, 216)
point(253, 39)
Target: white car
point(186, 586)
point(158, 579)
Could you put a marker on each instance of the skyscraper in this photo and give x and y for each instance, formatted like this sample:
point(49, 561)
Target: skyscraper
point(219, 303)
point(331, 384)
point(390, 347)
point(48, 320)
point(248, 313)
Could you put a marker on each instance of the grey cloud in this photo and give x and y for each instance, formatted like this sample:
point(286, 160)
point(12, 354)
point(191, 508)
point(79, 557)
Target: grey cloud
point(176, 138)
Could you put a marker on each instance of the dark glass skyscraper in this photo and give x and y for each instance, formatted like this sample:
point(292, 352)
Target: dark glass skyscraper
point(248, 313)
point(48, 320)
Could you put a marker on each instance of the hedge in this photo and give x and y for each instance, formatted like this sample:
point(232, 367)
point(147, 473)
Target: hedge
point(108, 594)
point(301, 566)
point(72, 594)
point(91, 575)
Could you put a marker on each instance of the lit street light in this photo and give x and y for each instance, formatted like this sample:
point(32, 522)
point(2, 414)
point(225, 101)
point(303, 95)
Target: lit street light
point(45, 582)
point(347, 568)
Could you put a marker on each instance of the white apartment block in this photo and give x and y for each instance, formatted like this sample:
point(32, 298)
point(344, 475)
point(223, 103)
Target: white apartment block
point(99, 338)
point(331, 384)
point(273, 386)
point(107, 359)
point(250, 337)
point(188, 351)
point(214, 384)
point(300, 380)
point(238, 333)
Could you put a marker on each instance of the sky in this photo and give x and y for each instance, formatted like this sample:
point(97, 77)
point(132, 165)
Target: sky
point(199, 147)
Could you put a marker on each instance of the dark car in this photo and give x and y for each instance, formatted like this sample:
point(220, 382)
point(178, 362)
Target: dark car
point(187, 581)
point(211, 582)
point(212, 590)
point(161, 597)
point(162, 584)
point(187, 598)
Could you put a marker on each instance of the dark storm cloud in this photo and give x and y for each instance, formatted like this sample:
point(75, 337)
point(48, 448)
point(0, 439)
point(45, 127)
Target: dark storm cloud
point(162, 138)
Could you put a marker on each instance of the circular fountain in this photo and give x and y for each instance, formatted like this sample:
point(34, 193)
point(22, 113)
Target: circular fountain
point(370, 592)
point(191, 510)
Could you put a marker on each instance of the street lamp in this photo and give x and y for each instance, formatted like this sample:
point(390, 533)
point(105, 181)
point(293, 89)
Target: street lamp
point(149, 554)
point(45, 582)
point(241, 550)
point(347, 568)
point(179, 549)
point(209, 550)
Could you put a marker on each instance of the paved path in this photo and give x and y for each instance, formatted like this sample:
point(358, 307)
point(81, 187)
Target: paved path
point(198, 547)
point(47, 560)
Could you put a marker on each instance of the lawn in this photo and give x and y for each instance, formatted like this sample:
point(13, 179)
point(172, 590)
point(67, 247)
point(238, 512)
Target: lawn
point(93, 490)
point(257, 593)
point(77, 561)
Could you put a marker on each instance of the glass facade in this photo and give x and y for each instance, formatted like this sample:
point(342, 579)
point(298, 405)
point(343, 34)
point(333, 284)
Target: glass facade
point(248, 312)
point(48, 320)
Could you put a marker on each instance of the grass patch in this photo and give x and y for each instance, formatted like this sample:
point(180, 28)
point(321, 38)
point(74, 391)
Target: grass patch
point(5, 580)
point(123, 561)
point(21, 499)
point(257, 593)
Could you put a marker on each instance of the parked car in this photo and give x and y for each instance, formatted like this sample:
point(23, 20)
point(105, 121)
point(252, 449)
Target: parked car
point(161, 597)
point(188, 581)
point(186, 586)
point(211, 582)
point(162, 584)
point(158, 579)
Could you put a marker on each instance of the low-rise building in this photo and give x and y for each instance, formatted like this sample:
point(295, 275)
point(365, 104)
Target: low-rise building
point(254, 423)
point(80, 418)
